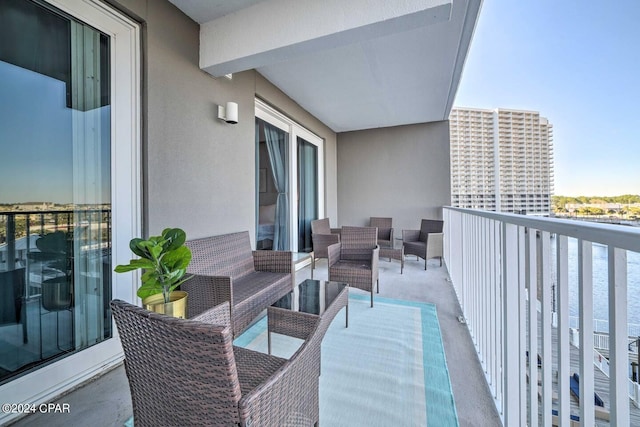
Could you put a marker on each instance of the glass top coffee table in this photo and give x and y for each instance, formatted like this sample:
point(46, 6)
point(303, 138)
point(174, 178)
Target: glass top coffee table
point(312, 301)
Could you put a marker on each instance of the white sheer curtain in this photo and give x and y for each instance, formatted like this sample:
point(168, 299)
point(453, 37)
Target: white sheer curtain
point(276, 140)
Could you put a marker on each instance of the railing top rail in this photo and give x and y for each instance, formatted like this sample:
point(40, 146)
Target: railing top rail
point(620, 236)
point(60, 211)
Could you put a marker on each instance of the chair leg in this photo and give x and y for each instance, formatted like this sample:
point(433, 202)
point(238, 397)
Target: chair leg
point(440, 261)
point(372, 298)
point(425, 262)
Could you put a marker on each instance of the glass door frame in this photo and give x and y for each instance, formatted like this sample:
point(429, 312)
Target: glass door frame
point(53, 379)
point(294, 130)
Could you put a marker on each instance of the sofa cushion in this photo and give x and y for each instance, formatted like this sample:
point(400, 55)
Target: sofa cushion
point(259, 281)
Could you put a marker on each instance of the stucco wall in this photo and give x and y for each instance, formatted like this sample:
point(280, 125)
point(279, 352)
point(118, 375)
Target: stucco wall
point(400, 172)
point(199, 172)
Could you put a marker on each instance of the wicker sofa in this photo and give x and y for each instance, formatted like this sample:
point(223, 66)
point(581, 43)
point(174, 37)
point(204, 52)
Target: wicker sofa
point(226, 269)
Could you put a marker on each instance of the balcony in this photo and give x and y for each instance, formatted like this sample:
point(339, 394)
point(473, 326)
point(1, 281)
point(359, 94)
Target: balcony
point(503, 273)
point(470, 391)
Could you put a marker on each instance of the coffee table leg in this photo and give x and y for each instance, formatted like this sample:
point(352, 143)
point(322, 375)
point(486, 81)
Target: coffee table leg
point(269, 341)
point(346, 315)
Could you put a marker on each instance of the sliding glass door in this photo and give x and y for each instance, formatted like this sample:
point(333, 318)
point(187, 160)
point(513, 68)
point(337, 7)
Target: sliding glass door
point(58, 134)
point(307, 192)
point(289, 181)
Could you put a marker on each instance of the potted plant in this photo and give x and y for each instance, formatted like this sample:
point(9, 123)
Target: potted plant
point(164, 260)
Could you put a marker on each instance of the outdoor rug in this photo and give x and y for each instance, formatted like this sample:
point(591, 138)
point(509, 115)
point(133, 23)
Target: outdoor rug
point(386, 369)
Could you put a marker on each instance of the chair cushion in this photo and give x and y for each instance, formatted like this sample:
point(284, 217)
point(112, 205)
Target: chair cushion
point(346, 264)
point(415, 246)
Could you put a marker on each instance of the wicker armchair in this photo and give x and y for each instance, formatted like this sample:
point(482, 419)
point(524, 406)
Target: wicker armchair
point(225, 268)
point(187, 372)
point(385, 230)
point(425, 243)
point(322, 236)
point(355, 259)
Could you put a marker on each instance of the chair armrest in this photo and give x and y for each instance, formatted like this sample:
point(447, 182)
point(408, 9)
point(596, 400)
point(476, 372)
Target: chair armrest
point(434, 245)
point(206, 292)
point(336, 231)
point(254, 367)
point(410, 235)
point(375, 256)
point(218, 315)
point(273, 261)
point(333, 253)
point(291, 391)
point(391, 237)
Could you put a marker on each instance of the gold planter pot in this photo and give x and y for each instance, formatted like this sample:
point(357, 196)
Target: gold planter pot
point(177, 307)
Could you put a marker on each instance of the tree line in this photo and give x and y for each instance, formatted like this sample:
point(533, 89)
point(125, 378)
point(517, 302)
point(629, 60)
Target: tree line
point(559, 204)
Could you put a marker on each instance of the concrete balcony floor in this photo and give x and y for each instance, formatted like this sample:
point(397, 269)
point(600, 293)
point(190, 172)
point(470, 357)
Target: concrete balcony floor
point(106, 401)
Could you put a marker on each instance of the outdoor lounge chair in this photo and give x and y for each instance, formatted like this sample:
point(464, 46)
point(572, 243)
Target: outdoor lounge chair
point(355, 259)
point(385, 230)
point(425, 243)
point(187, 372)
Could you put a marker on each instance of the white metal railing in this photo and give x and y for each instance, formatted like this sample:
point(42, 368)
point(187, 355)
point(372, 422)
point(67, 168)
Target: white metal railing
point(498, 260)
point(601, 325)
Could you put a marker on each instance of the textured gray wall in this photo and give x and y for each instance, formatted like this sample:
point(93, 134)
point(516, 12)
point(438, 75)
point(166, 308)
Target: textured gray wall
point(400, 172)
point(199, 172)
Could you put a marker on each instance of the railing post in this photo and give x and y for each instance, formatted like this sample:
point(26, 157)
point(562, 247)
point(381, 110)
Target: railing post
point(511, 338)
point(618, 336)
point(546, 322)
point(532, 284)
point(11, 242)
point(585, 302)
point(562, 309)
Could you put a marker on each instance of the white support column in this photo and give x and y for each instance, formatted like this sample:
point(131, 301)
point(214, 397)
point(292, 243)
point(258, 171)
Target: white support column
point(619, 357)
point(585, 302)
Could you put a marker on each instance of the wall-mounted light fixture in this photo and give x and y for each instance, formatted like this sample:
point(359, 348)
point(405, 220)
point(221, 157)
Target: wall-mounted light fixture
point(228, 113)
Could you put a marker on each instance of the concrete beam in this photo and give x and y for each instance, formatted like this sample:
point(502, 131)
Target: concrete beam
point(278, 30)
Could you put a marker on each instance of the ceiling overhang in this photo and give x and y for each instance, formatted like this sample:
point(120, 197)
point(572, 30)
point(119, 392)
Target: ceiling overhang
point(354, 65)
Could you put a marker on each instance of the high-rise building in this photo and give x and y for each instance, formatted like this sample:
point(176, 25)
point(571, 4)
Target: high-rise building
point(501, 160)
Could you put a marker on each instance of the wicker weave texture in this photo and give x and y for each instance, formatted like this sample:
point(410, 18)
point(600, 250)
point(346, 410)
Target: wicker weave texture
point(186, 372)
point(226, 269)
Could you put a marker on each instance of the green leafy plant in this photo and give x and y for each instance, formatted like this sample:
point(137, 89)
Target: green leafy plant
point(164, 260)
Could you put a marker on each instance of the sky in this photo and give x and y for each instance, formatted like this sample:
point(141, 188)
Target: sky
point(578, 64)
point(36, 133)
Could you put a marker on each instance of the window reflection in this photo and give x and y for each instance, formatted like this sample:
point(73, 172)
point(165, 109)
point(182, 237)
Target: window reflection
point(55, 212)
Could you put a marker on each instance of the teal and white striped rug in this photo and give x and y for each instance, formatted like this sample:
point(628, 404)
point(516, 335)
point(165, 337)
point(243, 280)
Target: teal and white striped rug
point(387, 369)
